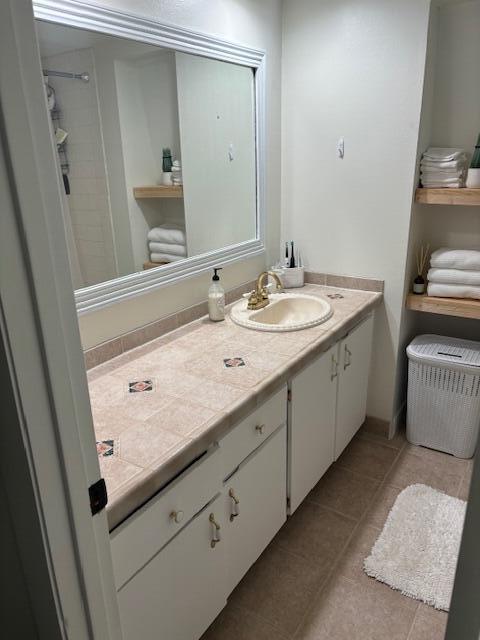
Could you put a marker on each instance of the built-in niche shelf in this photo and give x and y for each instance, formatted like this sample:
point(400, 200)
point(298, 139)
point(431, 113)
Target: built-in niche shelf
point(158, 191)
point(465, 197)
point(461, 308)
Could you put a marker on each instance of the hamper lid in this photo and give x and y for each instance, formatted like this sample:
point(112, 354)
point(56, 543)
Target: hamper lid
point(442, 350)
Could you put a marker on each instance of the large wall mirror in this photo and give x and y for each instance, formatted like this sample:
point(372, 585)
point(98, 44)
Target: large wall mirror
point(158, 143)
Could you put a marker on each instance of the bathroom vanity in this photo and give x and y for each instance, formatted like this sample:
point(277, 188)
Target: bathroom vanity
point(187, 527)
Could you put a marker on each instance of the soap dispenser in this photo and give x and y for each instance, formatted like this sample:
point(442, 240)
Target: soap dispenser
point(216, 298)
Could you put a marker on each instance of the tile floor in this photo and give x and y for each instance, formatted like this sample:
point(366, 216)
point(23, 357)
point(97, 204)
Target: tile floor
point(309, 584)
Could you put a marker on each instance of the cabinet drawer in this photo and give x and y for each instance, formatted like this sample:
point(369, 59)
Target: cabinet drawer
point(141, 536)
point(178, 594)
point(252, 431)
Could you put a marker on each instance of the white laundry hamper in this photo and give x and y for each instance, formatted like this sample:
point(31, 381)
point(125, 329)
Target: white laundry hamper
point(443, 402)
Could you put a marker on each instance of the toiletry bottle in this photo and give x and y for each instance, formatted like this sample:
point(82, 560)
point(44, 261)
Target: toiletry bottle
point(216, 298)
point(287, 259)
point(292, 257)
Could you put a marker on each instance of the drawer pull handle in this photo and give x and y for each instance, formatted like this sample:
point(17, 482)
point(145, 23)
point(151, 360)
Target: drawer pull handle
point(177, 516)
point(216, 531)
point(235, 506)
point(334, 372)
point(260, 428)
point(347, 360)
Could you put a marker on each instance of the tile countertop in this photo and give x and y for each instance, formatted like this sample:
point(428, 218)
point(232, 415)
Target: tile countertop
point(159, 406)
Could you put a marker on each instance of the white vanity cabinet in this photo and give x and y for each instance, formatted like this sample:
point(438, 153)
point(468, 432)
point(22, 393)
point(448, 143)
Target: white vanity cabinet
point(255, 499)
point(313, 394)
point(327, 407)
point(353, 370)
point(182, 589)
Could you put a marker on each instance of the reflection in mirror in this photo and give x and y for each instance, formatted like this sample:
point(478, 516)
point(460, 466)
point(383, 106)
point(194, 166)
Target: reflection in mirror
point(156, 149)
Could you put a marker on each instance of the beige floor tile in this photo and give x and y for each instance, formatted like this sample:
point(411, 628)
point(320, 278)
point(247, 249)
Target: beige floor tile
point(343, 611)
point(368, 458)
point(429, 624)
point(377, 514)
point(279, 587)
point(344, 491)
point(315, 533)
point(414, 467)
point(350, 564)
point(238, 624)
point(397, 442)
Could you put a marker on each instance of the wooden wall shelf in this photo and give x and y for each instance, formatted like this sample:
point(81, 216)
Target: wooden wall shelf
point(465, 197)
point(158, 191)
point(459, 307)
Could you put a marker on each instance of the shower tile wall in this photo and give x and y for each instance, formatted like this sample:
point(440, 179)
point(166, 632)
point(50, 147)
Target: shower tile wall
point(88, 200)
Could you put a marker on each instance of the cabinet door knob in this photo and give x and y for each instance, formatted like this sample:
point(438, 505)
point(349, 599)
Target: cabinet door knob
point(216, 531)
point(177, 516)
point(235, 505)
point(260, 428)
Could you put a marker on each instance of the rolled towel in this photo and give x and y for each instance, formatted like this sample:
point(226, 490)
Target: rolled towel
point(442, 154)
point(456, 259)
point(163, 247)
point(167, 233)
point(164, 257)
point(453, 291)
point(454, 276)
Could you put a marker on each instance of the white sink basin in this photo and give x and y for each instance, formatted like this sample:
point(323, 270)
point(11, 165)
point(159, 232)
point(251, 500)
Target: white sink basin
point(286, 312)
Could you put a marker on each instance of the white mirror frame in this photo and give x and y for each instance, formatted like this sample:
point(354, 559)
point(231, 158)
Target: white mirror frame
point(74, 13)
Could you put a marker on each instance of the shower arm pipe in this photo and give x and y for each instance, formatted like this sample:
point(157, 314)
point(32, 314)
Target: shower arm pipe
point(65, 74)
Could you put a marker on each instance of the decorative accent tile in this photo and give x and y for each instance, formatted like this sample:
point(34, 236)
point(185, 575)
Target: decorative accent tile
point(334, 296)
point(234, 362)
point(140, 385)
point(104, 448)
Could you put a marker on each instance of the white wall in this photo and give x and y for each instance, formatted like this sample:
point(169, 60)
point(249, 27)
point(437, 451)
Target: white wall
point(216, 110)
point(249, 22)
point(354, 69)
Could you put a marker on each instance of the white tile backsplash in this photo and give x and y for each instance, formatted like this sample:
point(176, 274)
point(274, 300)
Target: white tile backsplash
point(88, 200)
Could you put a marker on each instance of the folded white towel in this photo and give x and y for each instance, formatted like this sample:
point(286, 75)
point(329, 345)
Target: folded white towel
point(453, 291)
point(436, 176)
point(458, 184)
point(445, 258)
point(454, 276)
point(173, 249)
point(454, 165)
point(168, 233)
point(164, 257)
point(442, 154)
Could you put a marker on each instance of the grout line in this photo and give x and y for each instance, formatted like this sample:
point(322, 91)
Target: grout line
point(282, 635)
point(347, 543)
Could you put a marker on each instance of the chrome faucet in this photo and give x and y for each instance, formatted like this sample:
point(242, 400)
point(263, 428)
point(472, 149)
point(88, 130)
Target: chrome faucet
point(259, 296)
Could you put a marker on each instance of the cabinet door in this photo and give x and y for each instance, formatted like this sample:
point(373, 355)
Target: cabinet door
point(179, 593)
point(256, 505)
point(312, 425)
point(355, 353)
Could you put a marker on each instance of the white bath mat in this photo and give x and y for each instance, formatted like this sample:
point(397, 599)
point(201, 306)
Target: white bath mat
point(417, 551)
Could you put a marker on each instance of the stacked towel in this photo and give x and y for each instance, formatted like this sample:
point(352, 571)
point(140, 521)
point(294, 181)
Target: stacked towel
point(167, 243)
point(454, 273)
point(443, 167)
